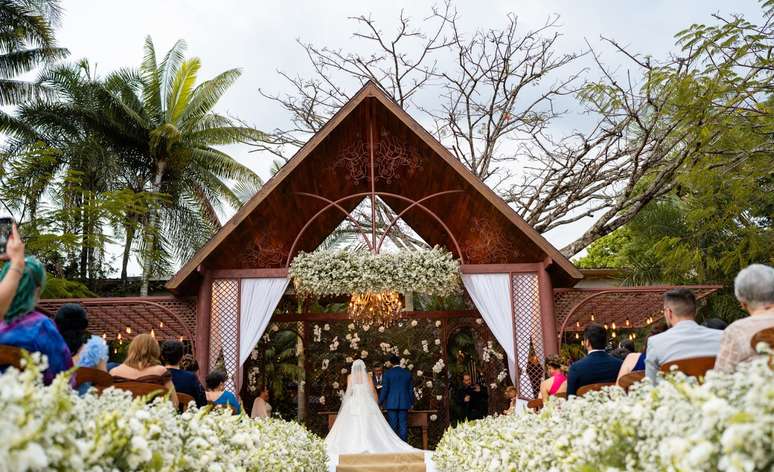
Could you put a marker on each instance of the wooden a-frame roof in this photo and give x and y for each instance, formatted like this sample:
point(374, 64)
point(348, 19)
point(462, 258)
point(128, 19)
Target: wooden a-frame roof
point(413, 173)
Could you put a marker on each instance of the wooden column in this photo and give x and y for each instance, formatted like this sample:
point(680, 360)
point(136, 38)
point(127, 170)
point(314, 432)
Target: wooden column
point(203, 312)
point(548, 321)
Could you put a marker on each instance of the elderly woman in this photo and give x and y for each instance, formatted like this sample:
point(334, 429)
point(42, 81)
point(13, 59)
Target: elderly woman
point(754, 289)
point(28, 329)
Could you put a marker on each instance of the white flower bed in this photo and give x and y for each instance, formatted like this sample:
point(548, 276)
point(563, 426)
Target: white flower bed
point(51, 428)
point(319, 273)
point(725, 424)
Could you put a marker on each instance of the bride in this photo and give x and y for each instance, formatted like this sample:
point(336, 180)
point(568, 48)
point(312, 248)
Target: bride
point(360, 426)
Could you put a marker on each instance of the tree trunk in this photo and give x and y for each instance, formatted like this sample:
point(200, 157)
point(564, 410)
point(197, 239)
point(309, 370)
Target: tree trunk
point(127, 253)
point(150, 231)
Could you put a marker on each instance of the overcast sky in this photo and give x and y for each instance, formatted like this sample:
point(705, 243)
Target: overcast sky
point(259, 37)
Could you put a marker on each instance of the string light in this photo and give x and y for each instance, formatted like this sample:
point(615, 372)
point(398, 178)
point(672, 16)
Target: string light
point(592, 317)
point(613, 325)
point(153, 333)
point(627, 321)
point(577, 324)
point(104, 336)
point(613, 334)
point(576, 336)
point(605, 326)
point(161, 324)
point(128, 330)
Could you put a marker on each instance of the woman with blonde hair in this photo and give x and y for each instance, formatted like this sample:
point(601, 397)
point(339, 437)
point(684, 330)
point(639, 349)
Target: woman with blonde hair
point(143, 364)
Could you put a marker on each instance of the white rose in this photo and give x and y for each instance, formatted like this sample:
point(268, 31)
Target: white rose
point(327, 327)
point(349, 360)
point(411, 367)
point(364, 354)
point(439, 397)
point(335, 385)
point(413, 322)
point(274, 327)
point(493, 386)
point(322, 400)
point(437, 342)
point(433, 417)
point(437, 324)
point(406, 352)
point(351, 326)
point(419, 373)
point(429, 384)
point(343, 371)
point(381, 329)
point(480, 321)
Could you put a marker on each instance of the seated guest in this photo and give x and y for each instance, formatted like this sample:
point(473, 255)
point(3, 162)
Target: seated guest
point(189, 364)
point(88, 351)
point(684, 339)
point(143, 364)
point(217, 393)
point(624, 348)
point(14, 254)
point(598, 366)
point(28, 329)
point(512, 394)
point(556, 381)
point(754, 289)
point(184, 381)
point(715, 323)
point(635, 362)
point(261, 407)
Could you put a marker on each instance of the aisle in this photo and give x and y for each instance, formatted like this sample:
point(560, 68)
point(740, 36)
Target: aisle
point(401, 462)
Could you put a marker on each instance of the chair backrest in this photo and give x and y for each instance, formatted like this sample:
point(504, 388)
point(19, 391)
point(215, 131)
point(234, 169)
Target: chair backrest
point(626, 381)
point(593, 388)
point(561, 395)
point(98, 378)
point(692, 367)
point(536, 404)
point(763, 336)
point(10, 356)
point(140, 389)
point(183, 400)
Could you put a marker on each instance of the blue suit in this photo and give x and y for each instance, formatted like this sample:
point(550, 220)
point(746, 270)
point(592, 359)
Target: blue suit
point(596, 367)
point(397, 396)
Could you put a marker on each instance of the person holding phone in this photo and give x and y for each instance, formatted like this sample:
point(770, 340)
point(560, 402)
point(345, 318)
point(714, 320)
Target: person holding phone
point(13, 253)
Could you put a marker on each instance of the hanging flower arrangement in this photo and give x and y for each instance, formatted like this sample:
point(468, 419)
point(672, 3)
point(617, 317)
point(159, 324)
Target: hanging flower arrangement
point(323, 273)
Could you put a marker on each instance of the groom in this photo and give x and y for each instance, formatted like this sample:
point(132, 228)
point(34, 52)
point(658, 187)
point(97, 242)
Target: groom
point(397, 396)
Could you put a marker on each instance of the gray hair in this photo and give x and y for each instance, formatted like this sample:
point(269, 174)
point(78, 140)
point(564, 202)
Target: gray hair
point(754, 285)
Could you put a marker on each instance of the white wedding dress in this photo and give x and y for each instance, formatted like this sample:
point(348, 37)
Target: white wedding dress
point(360, 426)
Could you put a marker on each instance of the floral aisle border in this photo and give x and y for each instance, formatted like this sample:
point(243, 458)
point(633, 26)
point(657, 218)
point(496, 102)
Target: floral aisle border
point(723, 424)
point(52, 428)
point(324, 273)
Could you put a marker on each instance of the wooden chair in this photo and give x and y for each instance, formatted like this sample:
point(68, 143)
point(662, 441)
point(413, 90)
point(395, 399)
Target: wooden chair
point(593, 388)
point(140, 389)
point(10, 356)
point(535, 405)
point(561, 395)
point(763, 336)
point(630, 379)
point(96, 377)
point(183, 400)
point(692, 367)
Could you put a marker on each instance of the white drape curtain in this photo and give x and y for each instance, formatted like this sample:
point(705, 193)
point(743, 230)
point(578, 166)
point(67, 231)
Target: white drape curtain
point(491, 293)
point(259, 298)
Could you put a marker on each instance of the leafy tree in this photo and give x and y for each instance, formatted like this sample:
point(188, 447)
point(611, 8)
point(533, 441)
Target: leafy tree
point(26, 41)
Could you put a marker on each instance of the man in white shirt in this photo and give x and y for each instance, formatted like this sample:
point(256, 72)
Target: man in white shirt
point(685, 338)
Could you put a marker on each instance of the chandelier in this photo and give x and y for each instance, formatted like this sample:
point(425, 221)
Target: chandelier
point(375, 308)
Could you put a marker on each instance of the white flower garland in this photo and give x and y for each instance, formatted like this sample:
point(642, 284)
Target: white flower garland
point(321, 273)
point(52, 428)
point(724, 424)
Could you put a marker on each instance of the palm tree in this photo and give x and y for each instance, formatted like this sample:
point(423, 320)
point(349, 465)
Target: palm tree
point(26, 41)
point(166, 121)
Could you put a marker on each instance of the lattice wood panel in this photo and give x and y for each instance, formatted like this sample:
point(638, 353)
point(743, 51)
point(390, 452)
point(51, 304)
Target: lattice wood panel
point(528, 332)
point(224, 328)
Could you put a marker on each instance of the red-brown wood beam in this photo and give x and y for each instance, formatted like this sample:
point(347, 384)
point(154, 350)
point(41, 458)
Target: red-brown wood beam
point(501, 268)
point(248, 273)
point(203, 311)
point(548, 321)
point(404, 315)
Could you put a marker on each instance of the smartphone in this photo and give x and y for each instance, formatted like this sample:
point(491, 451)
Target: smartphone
point(6, 223)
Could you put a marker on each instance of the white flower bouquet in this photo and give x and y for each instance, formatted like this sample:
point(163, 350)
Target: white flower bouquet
point(52, 428)
point(321, 273)
point(726, 423)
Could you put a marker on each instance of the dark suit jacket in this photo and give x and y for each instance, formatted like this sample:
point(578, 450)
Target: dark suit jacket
point(397, 389)
point(186, 382)
point(596, 367)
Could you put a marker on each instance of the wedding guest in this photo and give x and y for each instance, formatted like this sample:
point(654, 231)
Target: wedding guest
point(377, 375)
point(512, 394)
point(27, 328)
point(754, 289)
point(261, 406)
point(188, 363)
point(624, 348)
point(184, 381)
point(635, 362)
point(684, 339)
point(598, 366)
point(88, 350)
point(143, 364)
point(217, 393)
point(473, 399)
point(14, 254)
point(556, 381)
